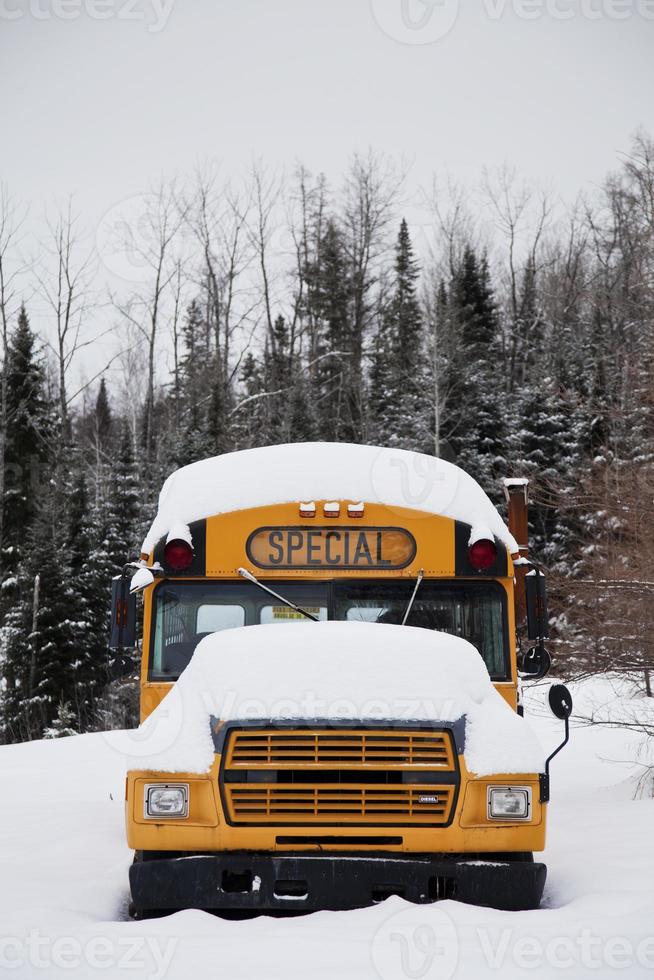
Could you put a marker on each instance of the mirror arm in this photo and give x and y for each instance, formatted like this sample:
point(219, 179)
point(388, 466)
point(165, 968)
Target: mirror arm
point(544, 777)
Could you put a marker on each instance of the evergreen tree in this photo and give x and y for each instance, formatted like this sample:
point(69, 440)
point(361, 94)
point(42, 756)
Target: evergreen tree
point(193, 368)
point(103, 416)
point(337, 382)
point(548, 431)
point(63, 724)
point(249, 424)
point(29, 442)
point(302, 420)
point(399, 394)
point(475, 409)
point(47, 659)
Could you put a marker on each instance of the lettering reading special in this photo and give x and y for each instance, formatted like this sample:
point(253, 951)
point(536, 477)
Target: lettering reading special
point(331, 547)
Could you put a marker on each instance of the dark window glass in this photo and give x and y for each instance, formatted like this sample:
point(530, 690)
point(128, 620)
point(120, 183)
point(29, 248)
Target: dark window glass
point(474, 611)
point(185, 612)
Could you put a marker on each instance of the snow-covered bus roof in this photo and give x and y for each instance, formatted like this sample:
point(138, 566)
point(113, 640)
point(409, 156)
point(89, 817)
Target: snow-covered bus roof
point(323, 471)
point(338, 672)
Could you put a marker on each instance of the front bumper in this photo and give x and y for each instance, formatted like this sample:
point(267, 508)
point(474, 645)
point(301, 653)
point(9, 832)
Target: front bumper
point(268, 882)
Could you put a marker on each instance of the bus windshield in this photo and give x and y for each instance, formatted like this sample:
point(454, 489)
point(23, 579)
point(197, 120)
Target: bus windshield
point(185, 612)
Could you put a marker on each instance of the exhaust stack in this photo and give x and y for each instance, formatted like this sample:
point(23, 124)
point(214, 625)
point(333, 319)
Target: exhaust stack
point(516, 491)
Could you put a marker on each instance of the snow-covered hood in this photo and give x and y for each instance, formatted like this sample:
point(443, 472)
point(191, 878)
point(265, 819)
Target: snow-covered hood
point(341, 672)
point(323, 471)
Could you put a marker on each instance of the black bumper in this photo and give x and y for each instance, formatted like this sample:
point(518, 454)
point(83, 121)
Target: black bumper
point(308, 882)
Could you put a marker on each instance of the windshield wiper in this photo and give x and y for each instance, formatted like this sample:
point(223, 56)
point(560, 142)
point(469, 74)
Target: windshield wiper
point(243, 572)
point(421, 575)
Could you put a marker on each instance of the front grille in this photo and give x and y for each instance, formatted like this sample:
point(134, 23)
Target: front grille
point(342, 804)
point(339, 777)
point(324, 748)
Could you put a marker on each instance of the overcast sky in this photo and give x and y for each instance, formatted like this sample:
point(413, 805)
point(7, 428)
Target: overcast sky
point(101, 107)
point(102, 97)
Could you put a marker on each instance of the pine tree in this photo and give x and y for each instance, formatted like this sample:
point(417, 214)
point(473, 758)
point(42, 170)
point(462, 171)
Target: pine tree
point(47, 659)
point(302, 420)
point(29, 442)
point(249, 421)
point(399, 393)
point(277, 384)
point(545, 446)
point(336, 379)
point(63, 724)
point(103, 416)
point(475, 410)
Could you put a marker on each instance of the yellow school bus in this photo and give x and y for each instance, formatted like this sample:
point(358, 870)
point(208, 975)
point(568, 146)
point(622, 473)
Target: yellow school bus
point(376, 553)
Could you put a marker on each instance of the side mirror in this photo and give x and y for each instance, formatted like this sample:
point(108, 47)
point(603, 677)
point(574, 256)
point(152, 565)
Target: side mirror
point(535, 663)
point(123, 615)
point(537, 611)
point(560, 700)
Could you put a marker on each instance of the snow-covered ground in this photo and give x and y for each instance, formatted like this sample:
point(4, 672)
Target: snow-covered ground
point(64, 863)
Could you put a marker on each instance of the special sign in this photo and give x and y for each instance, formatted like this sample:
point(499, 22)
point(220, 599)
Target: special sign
point(331, 547)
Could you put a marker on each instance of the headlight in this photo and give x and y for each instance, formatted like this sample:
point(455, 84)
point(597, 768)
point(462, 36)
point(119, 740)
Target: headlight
point(166, 800)
point(509, 802)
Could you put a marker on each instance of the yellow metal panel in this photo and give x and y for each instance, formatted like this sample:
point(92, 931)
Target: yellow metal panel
point(228, 535)
point(474, 812)
point(207, 827)
point(226, 550)
point(203, 807)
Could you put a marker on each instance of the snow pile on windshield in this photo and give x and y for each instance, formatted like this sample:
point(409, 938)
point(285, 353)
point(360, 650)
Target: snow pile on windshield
point(364, 672)
point(322, 471)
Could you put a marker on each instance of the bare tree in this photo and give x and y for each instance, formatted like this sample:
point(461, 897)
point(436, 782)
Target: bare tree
point(219, 217)
point(159, 229)
point(306, 212)
point(267, 195)
point(521, 218)
point(452, 224)
point(66, 290)
point(372, 188)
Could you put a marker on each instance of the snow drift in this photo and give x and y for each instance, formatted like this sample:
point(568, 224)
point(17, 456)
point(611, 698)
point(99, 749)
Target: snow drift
point(338, 671)
point(322, 471)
